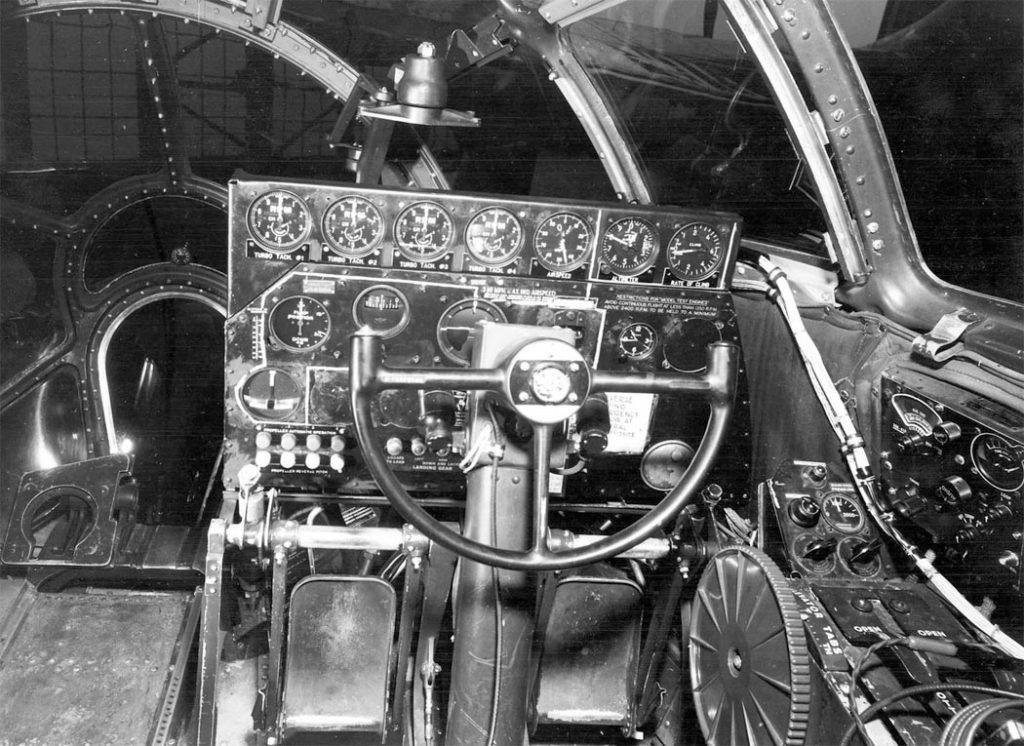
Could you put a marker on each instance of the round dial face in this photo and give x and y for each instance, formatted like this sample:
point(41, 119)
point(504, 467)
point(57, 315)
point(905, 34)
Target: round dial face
point(279, 220)
point(917, 416)
point(382, 308)
point(494, 236)
point(694, 252)
point(270, 394)
point(353, 226)
point(686, 344)
point(998, 461)
point(455, 327)
point(562, 242)
point(423, 231)
point(300, 323)
point(637, 340)
point(842, 512)
point(629, 246)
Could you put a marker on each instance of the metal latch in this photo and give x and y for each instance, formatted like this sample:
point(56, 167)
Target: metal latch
point(937, 345)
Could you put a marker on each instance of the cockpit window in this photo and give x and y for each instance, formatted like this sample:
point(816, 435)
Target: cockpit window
point(31, 325)
point(946, 78)
point(158, 229)
point(703, 120)
point(165, 383)
point(242, 108)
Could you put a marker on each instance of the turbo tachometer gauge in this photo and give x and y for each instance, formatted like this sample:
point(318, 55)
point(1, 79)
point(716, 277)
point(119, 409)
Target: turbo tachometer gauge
point(423, 231)
point(694, 251)
point(637, 340)
point(353, 226)
point(562, 242)
point(629, 246)
point(998, 461)
point(279, 220)
point(494, 236)
point(300, 323)
point(842, 512)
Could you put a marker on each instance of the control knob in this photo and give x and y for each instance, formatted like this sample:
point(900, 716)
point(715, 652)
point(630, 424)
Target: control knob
point(804, 512)
point(819, 549)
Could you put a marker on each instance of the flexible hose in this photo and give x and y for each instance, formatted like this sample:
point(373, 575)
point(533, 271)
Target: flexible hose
point(860, 468)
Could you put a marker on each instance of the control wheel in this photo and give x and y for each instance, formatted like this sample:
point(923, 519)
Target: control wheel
point(749, 665)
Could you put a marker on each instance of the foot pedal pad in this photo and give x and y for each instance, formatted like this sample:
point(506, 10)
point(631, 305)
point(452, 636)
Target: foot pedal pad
point(591, 649)
point(340, 631)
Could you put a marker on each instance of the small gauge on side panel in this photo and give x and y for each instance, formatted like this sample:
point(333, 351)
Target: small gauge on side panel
point(424, 231)
point(494, 236)
point(843, 512)
point(629, 246)
point(383, 309)
point(998, 461)
point(279, 220)
point(694, 252)
point(353, 226)
point(300, 323)
point(270, 394)
point(562, 242)
point(637, 341)
point(457, 323)
point(915, 414)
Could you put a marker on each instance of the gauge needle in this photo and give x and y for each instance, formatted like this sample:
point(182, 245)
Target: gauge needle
point(622, 241)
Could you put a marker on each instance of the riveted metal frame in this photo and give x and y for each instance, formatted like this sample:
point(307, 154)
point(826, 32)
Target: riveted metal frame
point(899, 286)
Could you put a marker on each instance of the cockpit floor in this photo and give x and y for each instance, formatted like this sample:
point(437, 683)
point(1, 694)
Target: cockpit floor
point(87, 667)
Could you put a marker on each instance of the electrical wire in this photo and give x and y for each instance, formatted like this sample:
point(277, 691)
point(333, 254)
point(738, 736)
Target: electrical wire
point(916, 691)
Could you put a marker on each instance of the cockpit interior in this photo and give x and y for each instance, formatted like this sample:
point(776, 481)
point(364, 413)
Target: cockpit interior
point(500, 372)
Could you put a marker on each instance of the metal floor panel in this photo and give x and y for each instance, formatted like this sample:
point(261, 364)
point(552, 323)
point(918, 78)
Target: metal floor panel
point(89, 667)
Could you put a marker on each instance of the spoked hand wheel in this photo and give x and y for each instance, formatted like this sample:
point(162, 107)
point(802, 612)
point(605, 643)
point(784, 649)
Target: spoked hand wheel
point(749, 666)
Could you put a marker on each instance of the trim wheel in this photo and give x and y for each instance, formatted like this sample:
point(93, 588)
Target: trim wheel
point(749, 665)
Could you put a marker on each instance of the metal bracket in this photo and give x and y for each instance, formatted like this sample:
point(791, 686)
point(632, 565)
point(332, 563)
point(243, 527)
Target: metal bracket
point(567, 12)
point(263, 13)
point(938, 344)
point(486, 41)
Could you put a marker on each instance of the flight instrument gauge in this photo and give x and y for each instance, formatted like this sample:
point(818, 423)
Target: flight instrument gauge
point(353, 226)
point(270, 394)
point(383, 309)
point(494, 236)
point(637, 340)
point(300, 323)
point(843, 512)
point(629, 246)
point(562, 242)
point(423, 231)
point(694, 251)
point(457, 324)
point(998, 461)
point(279, 220)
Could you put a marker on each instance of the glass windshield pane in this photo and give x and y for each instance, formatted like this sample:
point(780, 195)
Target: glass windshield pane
point(947, 84)
point(31, 326)
point(703, 120)
point(165, 377)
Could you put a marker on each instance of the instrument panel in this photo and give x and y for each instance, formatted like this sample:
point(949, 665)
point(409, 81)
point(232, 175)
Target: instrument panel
point(641, 289)
point(481, 234)
point(953, 470)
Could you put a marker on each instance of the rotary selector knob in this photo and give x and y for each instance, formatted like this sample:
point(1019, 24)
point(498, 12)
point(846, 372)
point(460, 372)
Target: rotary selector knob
point(804, 512)
point(819, 549)
point(954, 491)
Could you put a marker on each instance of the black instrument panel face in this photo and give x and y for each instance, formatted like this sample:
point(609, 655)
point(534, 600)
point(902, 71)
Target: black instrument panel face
point(953, 471)
point(423, 269)
point(482, 234)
